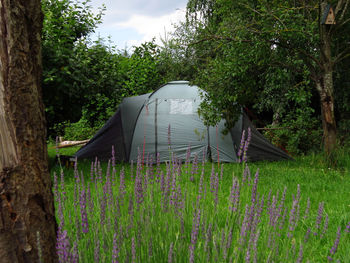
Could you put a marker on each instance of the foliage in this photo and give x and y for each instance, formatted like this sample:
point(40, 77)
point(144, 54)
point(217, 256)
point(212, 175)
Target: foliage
point(245, 50)
point(142, 70)
point(65, 28)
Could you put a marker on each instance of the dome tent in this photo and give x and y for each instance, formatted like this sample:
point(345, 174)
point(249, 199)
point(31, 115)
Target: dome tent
point(141, 125)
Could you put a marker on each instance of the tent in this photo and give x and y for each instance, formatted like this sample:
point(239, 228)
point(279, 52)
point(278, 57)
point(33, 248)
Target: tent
point(144, 125)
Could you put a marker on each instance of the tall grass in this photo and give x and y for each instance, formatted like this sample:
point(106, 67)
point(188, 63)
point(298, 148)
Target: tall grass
point(202, 212)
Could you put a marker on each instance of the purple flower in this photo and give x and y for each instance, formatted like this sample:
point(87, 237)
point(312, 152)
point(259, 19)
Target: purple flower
point(115, 251)
point(122, 188)
point(335, 245)
point(55, 185)
point(241, 146)
point(307, 235)
point(325, 226)
point(133, 250)
point(194, 166)
point(97, 250)
point(300, 255)
point(170, 254)
point(83, 212)
point(63, 246)
point(347, 229)
point(194, 233)
point(246, 144)
point(254, 188)
point(113, 156)
point(138, 188)
point(307, 209)
point(319, 216)
point(292, 218)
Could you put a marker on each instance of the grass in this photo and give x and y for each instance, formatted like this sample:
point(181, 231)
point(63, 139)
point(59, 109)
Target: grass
point(167, 216)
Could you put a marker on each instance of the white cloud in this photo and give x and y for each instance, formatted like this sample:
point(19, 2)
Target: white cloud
point(149, 27)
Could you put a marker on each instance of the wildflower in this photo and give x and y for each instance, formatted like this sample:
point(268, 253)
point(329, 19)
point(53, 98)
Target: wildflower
point(246, 144)
point(97, 250)
point(347, 229)
point(170, 254)
point(300, 255)
point(335, 245)
point(55, 185)
point(325, 226)
point(84, 219)
point(307, 209)
point(241, 146)
point(122, 188)
point(194, 233)
point(133, 250)
point(115, 251)
point(319, 216)
point(63, 246)
point(307, 235)
point(292, 218)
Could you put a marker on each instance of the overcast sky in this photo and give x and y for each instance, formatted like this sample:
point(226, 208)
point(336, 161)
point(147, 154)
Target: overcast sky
point(132, 22)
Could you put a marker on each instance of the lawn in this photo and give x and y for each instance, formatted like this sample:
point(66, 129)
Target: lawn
point(290, 211)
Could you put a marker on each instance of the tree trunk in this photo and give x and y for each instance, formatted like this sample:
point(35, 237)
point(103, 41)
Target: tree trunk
point(325, 87)
point(27, 219)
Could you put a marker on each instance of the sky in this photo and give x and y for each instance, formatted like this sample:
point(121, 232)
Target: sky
point(132, 22)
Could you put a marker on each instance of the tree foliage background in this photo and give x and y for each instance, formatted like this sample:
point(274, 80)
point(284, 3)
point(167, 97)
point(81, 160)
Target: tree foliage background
point(255, 54)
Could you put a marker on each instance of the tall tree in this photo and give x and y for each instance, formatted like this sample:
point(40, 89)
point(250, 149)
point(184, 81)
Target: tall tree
point(294, 35)
point(27, 219)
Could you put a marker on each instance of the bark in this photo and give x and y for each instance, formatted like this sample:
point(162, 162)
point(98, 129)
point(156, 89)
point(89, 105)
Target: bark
point(325, 86)
point(26, 200)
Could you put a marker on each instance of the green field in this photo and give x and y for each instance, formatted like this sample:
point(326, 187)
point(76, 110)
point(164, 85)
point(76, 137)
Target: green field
point(179, 214)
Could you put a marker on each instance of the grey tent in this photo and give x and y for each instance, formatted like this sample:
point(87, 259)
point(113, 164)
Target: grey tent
point(142, 124)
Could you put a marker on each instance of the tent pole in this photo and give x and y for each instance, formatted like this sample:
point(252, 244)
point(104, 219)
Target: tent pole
point(156, 129)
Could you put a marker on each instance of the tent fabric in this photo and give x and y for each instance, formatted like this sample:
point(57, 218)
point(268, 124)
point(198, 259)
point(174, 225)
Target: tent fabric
point(166, 122)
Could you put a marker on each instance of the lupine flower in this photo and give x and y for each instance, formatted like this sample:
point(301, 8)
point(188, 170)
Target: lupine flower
point(300, 255)
point(347, 229)
point(319, 216)
point(63, 246)
point(150, 248)
point(292, 218)
point(115, 251)
point(122, 188)
point(307, 235)
point(194, 167)
point(335, 245)
point(55, 185)
point(158, 168)
point(75, 253)
point(170, 254)
point(307, 209)
point(133, 250)
point(325, 226)
point(138, 189)
point(113, 156)
point(245, 225)
point(194, 233)
point(200, 190)
point(246, 145)
point(254, 188)
point(97, 250)
point(241, 146)
point(83, 212)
